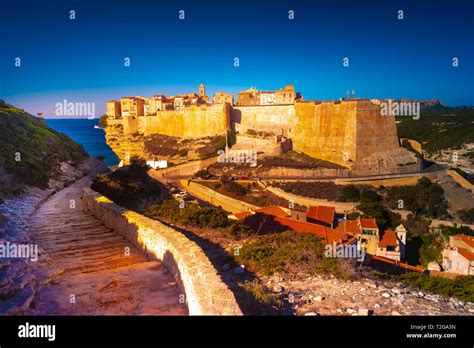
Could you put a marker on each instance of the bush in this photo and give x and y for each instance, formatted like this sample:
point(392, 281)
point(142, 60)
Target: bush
point(202, 173)
point(260, 292)
point(235, 188)
point(467, 216)
point(183, 152)
point(377, 211)
point(193, 215)
point(130, 186)
point(290, 253)
point(350, 193)
point(424, 199)
point(369, 196)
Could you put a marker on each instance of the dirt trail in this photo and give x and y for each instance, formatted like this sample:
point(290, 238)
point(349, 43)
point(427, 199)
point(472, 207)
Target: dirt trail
point(84, 267)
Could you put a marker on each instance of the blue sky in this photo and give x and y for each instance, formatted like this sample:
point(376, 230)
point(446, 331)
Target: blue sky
point(82, 59)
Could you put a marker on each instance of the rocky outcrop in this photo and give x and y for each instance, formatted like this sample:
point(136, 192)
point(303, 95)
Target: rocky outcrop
point(326, 295)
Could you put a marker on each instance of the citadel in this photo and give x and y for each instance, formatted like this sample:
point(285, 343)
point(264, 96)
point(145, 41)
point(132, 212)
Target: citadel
point(351, 133)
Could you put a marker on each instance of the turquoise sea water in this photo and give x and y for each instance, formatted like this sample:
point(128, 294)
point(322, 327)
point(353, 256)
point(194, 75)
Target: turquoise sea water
point(82, 131)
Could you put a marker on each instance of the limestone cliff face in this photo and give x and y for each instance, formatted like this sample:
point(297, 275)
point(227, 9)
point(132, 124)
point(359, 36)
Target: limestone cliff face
point(128, 136)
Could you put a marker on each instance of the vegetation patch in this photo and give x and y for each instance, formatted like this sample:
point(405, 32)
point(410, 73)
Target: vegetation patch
point(425, 198)
point(193, 215)
point(432, 129)
point(461, 287)
point(291, 254)
point(131, 186)
point(30, 151)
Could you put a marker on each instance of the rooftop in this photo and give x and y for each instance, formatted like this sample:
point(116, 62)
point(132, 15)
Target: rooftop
point(322, 213)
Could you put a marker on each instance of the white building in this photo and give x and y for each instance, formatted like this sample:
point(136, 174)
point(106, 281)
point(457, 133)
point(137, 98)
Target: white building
point(157, 164)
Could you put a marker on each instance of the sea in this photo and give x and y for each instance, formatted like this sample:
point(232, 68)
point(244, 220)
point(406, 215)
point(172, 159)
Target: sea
point(82, 131)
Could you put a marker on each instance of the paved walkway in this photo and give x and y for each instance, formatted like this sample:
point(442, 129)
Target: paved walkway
point(85, 268)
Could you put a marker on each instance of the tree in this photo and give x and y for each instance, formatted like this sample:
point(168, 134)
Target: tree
point(350, 193)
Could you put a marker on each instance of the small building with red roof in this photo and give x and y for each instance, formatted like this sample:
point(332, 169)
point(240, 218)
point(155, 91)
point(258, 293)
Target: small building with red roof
point(458, 256)
point(392, 244)
point(320, 214)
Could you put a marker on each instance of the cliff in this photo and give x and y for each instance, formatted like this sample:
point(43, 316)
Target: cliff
point(189, 134)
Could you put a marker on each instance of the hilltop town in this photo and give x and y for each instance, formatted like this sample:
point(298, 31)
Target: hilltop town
point(295, 140)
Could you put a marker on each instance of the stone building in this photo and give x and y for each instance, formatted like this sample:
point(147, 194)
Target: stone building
point(132, 106)
point(322, 215)
point(392, 244)
point(248, 97)
point(286, 95)
point(458, 256)
point(113, 109)
point(366, 231)
point(223, 97)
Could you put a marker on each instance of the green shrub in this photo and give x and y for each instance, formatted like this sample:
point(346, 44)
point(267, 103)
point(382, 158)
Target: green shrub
point(130, 186)
point(32, 151)
point(369, 196)
point(424, 199)
point(467, 216)
point(189, 215)
point(291, 253)
point(260, 292)
point(350, 193)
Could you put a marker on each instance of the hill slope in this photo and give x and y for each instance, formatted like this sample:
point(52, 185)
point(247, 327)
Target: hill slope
point(30, 151)
point(439, 130)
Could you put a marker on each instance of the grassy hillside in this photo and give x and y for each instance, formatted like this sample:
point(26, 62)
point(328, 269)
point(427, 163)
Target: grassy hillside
point(30, 151)
point(439, 130)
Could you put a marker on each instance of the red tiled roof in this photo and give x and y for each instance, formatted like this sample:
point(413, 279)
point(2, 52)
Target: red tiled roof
point(274, 210)
point(266, 223)
point(466, 253)
point(322, 213)
point(350, 226)
point(242, 215)
point(469, 240)
point(389, 238)
point(369, 223)
point(399, 264)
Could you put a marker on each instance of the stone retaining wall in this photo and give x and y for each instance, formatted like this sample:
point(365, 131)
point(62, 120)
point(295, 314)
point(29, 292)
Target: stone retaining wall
point(206, 293)
point(460, 180)
point(215, 198)
point(341, 207)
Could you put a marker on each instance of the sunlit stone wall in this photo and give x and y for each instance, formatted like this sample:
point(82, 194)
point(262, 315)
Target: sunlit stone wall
point(206, 293)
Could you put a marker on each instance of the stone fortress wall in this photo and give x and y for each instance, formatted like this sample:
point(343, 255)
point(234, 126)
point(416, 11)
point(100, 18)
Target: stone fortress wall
point(192, 122)
point(205, 292)
point(350, 132)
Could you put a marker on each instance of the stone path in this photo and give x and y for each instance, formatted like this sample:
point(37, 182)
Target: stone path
point(85, 268)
